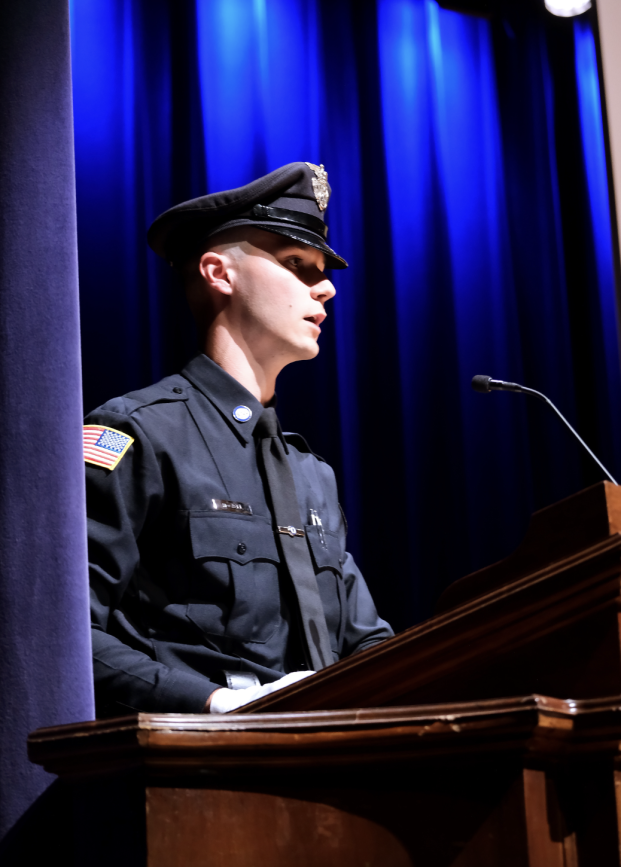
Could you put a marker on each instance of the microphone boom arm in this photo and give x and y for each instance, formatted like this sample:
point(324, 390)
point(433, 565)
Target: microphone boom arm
point(486, 384)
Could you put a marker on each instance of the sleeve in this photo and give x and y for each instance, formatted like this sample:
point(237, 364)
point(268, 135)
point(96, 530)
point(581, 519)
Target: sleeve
point(120, 503)
point(364, 626)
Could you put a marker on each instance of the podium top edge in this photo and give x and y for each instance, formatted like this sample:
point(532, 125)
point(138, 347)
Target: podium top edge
point(345, 719)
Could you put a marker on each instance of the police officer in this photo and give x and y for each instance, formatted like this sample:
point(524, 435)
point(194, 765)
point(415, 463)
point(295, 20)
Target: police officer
point(217, 552)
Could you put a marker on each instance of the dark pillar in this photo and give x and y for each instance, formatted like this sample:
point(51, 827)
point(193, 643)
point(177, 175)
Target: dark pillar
point(45, 667)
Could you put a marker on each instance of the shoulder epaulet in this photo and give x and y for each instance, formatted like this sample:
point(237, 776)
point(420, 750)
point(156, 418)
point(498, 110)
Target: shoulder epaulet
point(298, 441)
point(104, 446)
point(172, 388)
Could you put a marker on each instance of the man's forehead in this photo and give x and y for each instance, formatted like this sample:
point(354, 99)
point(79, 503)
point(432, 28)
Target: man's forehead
point(272, 243)
point(297, 246)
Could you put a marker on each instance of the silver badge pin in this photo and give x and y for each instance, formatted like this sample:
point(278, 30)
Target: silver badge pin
point(320, 185)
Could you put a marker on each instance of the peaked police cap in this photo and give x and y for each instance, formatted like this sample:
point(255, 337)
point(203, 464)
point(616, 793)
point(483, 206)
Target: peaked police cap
point(290, 201)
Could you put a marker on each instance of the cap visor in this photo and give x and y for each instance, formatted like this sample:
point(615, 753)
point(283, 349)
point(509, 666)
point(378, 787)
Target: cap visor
point(333, 260)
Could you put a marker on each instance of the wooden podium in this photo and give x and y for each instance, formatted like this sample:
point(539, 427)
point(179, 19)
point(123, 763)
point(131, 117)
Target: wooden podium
point(415, 752)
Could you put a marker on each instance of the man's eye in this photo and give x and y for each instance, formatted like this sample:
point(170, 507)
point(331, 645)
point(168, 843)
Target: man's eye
point(295, 261)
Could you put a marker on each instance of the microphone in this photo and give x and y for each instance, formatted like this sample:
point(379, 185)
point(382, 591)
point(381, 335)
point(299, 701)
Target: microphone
point(485, 384)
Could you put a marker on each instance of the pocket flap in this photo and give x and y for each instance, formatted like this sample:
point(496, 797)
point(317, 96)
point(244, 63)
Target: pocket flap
point(327, 555)
point(232, 537)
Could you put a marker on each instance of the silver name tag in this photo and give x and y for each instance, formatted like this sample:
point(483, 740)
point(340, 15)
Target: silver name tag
point(230, 506)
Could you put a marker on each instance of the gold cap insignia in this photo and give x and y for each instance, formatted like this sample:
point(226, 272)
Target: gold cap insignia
point(320, 186)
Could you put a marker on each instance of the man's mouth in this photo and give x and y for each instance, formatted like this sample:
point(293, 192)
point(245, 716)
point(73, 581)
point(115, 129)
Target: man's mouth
point(316, 320)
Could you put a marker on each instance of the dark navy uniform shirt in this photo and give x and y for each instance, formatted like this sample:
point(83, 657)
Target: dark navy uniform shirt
point(181, 591)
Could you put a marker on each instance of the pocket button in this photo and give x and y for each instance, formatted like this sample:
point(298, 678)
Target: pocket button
point(241, 548)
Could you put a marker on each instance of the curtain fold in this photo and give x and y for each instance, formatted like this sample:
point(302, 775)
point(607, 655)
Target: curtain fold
point(45, 653)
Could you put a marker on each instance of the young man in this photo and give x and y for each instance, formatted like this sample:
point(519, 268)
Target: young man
point(216, 542)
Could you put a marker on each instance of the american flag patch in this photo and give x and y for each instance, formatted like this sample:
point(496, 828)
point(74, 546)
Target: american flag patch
point(104, 446)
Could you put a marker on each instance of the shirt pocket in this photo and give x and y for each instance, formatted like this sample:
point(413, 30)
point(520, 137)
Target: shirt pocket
point(328, 557)
point(326, 549)
point(238, 576)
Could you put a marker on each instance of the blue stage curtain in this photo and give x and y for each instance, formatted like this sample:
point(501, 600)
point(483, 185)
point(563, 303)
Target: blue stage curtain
point(45, 652)
point(470, 197)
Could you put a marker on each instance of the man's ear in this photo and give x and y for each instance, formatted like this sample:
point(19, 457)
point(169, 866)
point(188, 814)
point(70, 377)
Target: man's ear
point(214, 269)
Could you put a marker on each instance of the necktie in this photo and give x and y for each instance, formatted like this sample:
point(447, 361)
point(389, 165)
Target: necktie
point(292, 539)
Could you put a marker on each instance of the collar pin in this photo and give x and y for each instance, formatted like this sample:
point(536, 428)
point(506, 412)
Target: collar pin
point(242, 413)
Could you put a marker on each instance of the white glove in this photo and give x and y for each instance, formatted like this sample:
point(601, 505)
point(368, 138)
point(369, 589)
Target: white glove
point(225, 700)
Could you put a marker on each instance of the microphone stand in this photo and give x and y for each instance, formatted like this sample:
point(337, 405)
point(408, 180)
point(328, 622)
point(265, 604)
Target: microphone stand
point(485, 384)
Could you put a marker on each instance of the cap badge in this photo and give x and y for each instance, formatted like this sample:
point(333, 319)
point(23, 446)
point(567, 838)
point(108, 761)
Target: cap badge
point(320, 185)
point(242, 413)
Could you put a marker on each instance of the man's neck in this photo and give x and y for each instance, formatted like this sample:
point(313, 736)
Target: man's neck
point(233, 357)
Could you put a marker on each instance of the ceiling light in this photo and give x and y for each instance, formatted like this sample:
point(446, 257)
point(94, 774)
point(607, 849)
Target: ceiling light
point(567, 8)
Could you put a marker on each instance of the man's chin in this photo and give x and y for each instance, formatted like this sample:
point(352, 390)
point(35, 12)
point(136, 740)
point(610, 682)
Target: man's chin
point(303, 351)
point(309, 351)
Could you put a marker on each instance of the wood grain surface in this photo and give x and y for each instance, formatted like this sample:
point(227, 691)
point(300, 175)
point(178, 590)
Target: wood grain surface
point(193, 743)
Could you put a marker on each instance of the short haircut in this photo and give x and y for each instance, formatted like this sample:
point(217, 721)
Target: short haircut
point(199, 300)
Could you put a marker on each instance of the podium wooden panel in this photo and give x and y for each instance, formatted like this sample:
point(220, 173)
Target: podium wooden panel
point(524, 782)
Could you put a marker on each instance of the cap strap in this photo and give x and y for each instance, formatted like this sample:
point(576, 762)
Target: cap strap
point(285, 215)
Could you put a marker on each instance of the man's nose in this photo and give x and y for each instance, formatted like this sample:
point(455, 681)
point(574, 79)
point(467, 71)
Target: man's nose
point(323, 291)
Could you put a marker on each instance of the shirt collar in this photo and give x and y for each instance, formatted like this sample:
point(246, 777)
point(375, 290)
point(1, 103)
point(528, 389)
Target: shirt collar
point(225, 392)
